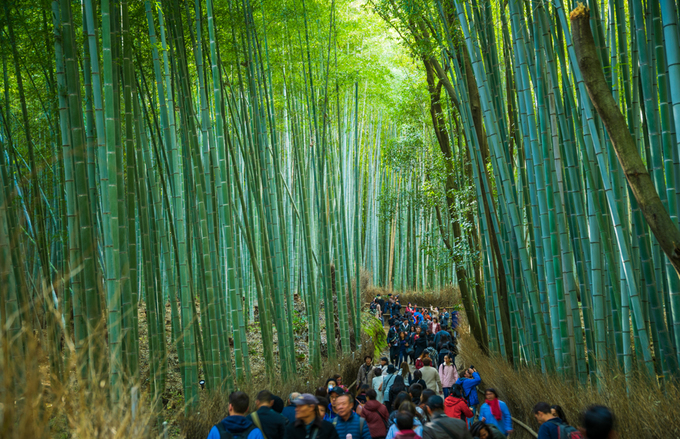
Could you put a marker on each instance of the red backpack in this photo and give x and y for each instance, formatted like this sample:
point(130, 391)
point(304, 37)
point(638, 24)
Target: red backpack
point(566, 431)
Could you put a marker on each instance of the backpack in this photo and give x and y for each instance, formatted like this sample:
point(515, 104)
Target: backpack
point(566, 431)
point(226, 434)
point(374, 306)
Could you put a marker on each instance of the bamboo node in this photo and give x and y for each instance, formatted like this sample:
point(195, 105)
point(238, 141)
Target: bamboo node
point(581, 11)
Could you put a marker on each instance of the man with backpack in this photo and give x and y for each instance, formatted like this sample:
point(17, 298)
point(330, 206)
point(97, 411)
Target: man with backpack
point(440, 425)
point(271, 424)
point(308, 424)
point(348, 422)
point(469, 382)
point(393, 341)
point(552, 427)
point(236, 425)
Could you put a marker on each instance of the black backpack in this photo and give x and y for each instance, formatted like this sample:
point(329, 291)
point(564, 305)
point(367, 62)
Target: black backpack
point(226, 434)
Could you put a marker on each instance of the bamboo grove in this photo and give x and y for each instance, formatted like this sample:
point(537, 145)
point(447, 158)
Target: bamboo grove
point(574, 280)
point(201, 163)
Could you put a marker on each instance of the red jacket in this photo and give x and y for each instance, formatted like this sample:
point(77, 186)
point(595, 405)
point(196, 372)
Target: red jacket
point(456, 407)
point(376, 415)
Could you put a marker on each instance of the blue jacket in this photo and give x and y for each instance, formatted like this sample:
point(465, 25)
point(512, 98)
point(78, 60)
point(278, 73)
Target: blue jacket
point(351, 426)
point(289, 412)
point(550, 429)
point(235, 425)
point(468, 385)
point(504, 424)
point(418, 316)
point(438, 336)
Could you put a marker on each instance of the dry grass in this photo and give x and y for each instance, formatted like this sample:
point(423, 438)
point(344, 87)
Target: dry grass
point(642, 411)
point(215, 407)
point(448, 297)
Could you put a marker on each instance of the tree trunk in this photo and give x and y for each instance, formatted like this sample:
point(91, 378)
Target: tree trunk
point(665, 231)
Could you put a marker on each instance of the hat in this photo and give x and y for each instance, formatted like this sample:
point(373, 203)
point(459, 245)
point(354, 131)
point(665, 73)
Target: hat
point(338, 390)
point(391, 368)
point(435, 402)
point(305, 399)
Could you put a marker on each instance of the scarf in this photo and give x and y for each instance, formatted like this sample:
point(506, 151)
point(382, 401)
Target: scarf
point(495, 408)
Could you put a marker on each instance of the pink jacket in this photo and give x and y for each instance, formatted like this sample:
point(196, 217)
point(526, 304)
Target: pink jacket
point(448, 374)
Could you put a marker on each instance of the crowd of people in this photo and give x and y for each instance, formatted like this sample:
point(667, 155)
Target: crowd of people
point(415, 393)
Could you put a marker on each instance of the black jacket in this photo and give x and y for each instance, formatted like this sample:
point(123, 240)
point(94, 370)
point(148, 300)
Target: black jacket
point(325, 430)
point(273, 424)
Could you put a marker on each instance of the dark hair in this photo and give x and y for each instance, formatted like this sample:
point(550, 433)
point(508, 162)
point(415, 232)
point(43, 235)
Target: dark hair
point(349, 397)
point(560, 413)
point(323, 401)
point(377, 371)
point(435, 402)
point(417, 375)
point(264, 396)
point(368, 356)
point(477, 427)
point(598, 422)
point(404, 421)
point(277, 406)
point(415, 390)
point(426, 395)
point(408, 407)
point(542, 407)
point(492, 390)
point(384, 359)
point(427, 361)
point(371, 394)
point(336, 376)
point(239, 402)
point(401, 398)
point(405, 370)
point(456, 391)
point(329, 380)
point(364, 388)
point(321, 391)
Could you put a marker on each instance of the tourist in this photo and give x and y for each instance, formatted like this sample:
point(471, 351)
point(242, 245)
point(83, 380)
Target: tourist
point(405, 426)
point(448, 374)
point(388, 380)
point(331, 384)
point(364, 370)
point(440, 425)
point(272, 424)
point(323, 408)
point(289, 410)
point(444, 318)
point(377, 384)
point(435, 327)
point(469, 383)
point(401, 398)
point(410, 408)
point(418, 378)
point(405, 373)
point(333, 397)
point(403, 346)
point(549, 423)
point(440, 337)
point(455, 406)
point(360, 400)
point(321, 391)
point(338, 379)
point(395, 389)
point(376, 415)
point(483, 430)
point(236, 424)
point(431, 376)
point(495, 411)
point(419, 342)
point(556, 410)
point(347, 422)
point(277, 405)
point(394, 342)
point(308, 421)
point(598, 422)
point(419, 361)
point(384, 362)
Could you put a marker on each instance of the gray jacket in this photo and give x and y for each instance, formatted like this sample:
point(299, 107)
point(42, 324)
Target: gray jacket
point(443, 427)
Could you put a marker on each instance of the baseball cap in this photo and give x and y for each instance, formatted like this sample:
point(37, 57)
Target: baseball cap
point(338, 390)
point(305, 399)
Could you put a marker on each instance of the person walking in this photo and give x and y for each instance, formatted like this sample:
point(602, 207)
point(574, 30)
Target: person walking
point(405, 426)
point(364, 370)
point(403, 346)
point(448, 374)
point(395, 389)
point(469, 382)
point(405, 373)
point(549, 423)
point(347, 422)
point(440, 425)
point(236, 425)
point(388, 381)
point(308, 421)
point(271, 424)
point(411, 409)
point(289, 410)
point(384, 362)
point(377, 385)
point(394, 343)
point(494, 411)
point(483, 430)
point(376, 415)
point(431, 377)
point(455, 406)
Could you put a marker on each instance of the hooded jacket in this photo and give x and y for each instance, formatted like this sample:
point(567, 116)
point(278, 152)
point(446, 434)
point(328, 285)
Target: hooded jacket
point(376, 416)
point(468, 385)
point(456, 408)
point(236, 425)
